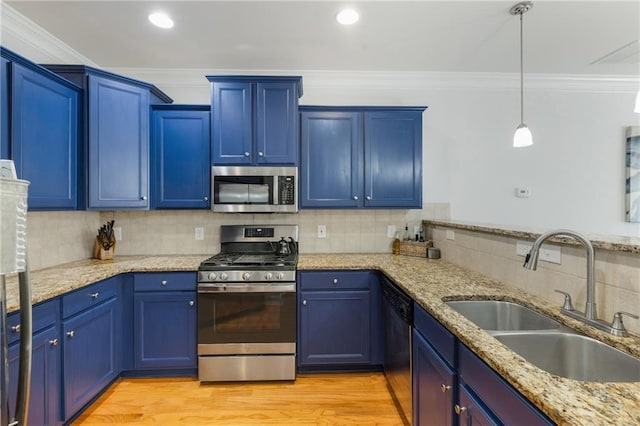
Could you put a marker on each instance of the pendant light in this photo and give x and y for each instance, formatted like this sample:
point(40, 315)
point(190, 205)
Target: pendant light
point(523, 136)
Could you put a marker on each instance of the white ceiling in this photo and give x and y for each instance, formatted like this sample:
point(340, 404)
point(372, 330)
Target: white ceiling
point(561, 37)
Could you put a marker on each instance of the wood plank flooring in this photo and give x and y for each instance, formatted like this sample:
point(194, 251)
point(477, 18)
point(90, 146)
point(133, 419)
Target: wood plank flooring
point(313, 399)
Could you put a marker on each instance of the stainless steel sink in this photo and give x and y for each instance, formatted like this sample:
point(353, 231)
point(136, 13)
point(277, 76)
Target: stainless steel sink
point(496, 315)
point(573, 356)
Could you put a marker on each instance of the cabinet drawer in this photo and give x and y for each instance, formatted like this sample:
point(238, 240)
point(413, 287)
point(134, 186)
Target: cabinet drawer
point(500, 397)
point(435, 333)
point(334, 280)
point(43, 314)
point(163, 281)
point(86, 297)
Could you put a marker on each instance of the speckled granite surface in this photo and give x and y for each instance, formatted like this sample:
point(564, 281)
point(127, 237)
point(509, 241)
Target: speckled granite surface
point(429, 282)
point(565, 401)
point(604, 242)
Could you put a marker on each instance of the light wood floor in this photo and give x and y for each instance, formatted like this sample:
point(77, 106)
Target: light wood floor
point(313, 399)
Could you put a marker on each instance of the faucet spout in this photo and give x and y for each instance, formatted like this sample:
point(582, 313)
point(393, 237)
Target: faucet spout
point(531, 262)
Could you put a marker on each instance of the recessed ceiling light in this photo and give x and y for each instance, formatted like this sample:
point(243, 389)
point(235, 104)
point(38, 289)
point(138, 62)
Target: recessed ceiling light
point(161, 19)
point(347, 17)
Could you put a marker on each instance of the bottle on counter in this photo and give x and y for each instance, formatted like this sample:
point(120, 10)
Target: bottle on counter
point(395, 247)
point(407, 236)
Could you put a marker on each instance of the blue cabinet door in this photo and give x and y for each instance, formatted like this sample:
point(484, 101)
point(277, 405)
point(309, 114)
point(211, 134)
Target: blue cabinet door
point(334, 328)
point(393, 159)
point(46, 377)
point(165, 330)
point(118, 144)
point(231, 123)
point(44, 117)
point(471, 411)
point(4, 108)
point(434, 385)
point(276, 129)
point(91, 354)
point(181, 161)
point(331, 161)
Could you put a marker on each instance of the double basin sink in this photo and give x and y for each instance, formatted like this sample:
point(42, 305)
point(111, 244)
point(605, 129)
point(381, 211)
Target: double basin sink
point(549, 345)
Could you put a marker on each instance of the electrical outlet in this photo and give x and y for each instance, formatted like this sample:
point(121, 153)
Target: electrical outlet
point(391, 231)
point(548, 253)
point(322, 231)
point(117, 232)
point(450, 234)
point(199, 233)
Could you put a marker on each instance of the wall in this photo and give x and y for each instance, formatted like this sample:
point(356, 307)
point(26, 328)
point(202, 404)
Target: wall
point(617, 274)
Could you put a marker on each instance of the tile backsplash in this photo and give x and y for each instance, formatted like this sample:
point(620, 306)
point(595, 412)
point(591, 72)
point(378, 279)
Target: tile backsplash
point(617, 274)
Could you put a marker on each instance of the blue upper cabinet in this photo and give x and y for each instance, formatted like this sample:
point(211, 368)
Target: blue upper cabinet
point(116, 119)
point(361, 157)
point(180, 146)
point(4, 108)
point(393, 158)
point(331, 159)
point(44, 136)
point(254, 120)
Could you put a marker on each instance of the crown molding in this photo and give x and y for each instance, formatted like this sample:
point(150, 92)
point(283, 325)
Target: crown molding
point(27, 38)
point(587, 83)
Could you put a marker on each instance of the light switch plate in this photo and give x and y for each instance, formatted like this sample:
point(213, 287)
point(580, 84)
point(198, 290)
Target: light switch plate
point(450, 234)
point(117, 232)
point(199, 233)
point(391, 231)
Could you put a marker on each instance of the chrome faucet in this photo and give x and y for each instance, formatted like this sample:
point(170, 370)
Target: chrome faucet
point(590, 315)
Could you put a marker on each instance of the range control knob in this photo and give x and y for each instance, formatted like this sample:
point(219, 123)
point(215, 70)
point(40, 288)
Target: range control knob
point(246, 276)
point(280, 275)
point(212, 276)
point(224, 276)
point(268, 276)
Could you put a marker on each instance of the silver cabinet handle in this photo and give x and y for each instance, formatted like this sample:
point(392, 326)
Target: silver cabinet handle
point(191, 303)
point(206, 198)
point(143, 198)
point(95, 295)
point(304, 302)
point(355, 197)
point(335, 281)
point(260, 154)
point(164, 282)
point(368, 197)
point(71, 333)
point(444, 388)
point(246, 154)
point(53, 342)
point(16, 328)
point(459, 409)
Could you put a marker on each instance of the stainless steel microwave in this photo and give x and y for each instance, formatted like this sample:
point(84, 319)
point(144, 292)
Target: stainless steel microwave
point(241, 189)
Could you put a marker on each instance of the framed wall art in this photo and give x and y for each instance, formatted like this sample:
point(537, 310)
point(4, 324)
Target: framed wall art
point(632, 158)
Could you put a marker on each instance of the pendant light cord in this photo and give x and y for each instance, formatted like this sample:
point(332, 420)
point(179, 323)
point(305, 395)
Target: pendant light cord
point(521, 73)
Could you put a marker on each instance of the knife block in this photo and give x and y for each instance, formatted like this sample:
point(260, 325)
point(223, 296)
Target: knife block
point(100, 253)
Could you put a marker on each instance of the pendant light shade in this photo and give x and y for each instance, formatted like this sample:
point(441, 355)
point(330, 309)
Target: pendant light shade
point(523, 136)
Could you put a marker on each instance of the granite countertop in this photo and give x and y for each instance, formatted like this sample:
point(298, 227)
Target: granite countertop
point(604, 242)
point(429, 283)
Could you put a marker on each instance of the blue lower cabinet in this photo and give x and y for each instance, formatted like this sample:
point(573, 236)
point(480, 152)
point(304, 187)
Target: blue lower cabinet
point(434, 385)
point(472, 412)
point(91, 353)
point(339, 320)
point(165, 330)
point(46, 377)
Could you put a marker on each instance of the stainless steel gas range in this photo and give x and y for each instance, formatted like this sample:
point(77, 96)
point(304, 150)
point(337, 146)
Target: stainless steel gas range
point(247, 305)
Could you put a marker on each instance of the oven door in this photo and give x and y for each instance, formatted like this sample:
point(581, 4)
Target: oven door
point(246, 320)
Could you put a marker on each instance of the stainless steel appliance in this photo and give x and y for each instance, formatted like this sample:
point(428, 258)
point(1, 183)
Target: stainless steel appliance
point(13, 258)
point(397, 314)
point(247, 305)
point(254, 189)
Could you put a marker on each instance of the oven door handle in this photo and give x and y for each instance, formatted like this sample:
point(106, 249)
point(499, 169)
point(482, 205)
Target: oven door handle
point(247, 288)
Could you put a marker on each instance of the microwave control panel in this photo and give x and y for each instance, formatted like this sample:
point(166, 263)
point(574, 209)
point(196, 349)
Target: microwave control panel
point(286, 189)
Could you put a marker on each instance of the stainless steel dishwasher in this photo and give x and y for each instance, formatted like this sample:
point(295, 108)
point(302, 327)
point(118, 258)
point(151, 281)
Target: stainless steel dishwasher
point(397, 314)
